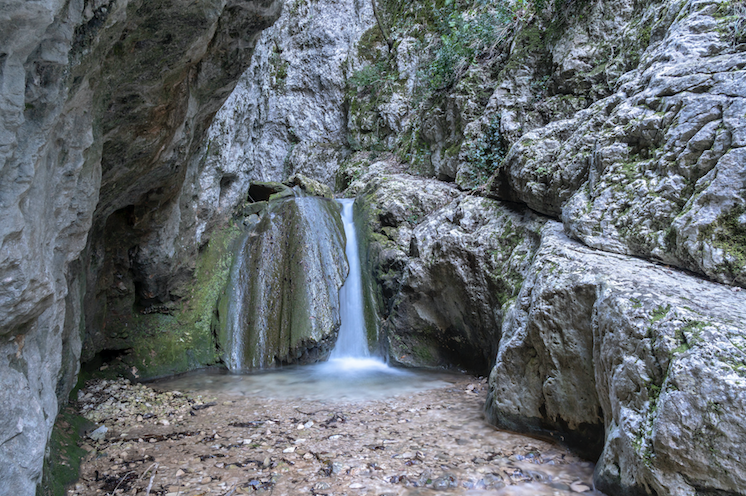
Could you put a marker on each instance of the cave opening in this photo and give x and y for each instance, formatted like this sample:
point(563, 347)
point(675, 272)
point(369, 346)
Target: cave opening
point(261, 192)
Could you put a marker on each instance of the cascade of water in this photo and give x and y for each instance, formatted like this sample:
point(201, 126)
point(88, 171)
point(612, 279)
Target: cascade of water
point(352, 341)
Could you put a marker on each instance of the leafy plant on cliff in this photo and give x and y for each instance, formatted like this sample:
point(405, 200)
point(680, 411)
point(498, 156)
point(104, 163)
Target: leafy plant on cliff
point(465, 36)
point(488, 152)
point(734, 16)
point(279, 69)
point(373, 78)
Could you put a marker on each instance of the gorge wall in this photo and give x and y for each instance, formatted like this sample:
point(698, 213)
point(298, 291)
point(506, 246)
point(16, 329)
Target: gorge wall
point(101, 103)
point(551, 192)
point(589, 232)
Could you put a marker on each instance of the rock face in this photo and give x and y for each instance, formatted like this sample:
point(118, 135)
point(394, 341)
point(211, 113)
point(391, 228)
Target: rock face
point(636, 365)
point(623, 121)
point(445, 264)
point(101, 101)
point(149, 264)
point(282, 302)
point(651, 356)
point(287, 113)
point(654, 170)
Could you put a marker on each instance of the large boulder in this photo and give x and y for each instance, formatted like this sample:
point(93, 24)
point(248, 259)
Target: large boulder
point(282, 302)
point(445, 264)
point(638, 364)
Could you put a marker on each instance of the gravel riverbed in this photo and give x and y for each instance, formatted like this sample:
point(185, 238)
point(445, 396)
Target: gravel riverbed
point(160, 441)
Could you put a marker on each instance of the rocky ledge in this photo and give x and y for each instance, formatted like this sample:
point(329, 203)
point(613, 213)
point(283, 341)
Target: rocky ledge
point(640, 366)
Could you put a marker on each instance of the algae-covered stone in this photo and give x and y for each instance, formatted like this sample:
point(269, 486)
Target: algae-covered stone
point(310, 186)
point(175, 338)
point(282, 302)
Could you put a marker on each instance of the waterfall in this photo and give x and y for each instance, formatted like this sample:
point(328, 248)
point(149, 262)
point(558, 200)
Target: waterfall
point(352, 341)
point(350, 358)
point(287, 281)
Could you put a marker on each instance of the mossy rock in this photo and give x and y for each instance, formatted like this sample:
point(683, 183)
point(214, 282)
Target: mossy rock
point(179, 338)
point(62, 463)
point(310, 186)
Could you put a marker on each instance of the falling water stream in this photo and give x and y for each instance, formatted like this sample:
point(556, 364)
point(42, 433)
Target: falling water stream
point(352, 342)
point(351, 353)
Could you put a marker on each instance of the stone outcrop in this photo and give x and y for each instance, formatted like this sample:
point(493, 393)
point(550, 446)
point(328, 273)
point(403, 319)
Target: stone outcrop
point(621, 120)
point(281, 305)
point(638, 364)
point(445, 265)
point(654, 169)
point(101, 103)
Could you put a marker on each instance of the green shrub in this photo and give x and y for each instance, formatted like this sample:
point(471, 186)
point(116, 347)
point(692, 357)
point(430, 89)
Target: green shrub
point(375, 79)
point(464, 37)
point(488, 151)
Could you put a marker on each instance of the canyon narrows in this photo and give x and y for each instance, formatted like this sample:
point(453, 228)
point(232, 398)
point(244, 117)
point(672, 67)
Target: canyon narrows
point(549, 193)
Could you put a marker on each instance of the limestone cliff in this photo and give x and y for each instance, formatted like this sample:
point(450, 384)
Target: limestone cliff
point(101, 104)
point(633, 364)
point(617, 123)
point(554, 142)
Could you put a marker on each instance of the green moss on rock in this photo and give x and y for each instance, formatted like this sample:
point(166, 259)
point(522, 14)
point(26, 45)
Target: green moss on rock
point(728, 233)
point(62, 464)
point(162, 344)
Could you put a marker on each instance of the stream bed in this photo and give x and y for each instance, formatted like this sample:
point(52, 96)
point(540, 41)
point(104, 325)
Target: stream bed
point(319, 430)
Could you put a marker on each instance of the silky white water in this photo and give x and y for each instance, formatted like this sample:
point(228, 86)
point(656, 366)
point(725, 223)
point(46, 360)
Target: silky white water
point(350, 356)
point(352, 341)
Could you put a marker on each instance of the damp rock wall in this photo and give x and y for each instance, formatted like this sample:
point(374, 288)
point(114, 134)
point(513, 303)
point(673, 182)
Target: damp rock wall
point(100, 105)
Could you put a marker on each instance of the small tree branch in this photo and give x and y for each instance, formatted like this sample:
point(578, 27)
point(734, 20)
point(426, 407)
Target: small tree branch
point(386, 37)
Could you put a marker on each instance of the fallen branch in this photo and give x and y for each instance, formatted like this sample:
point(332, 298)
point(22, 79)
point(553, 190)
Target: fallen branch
point(120, 482)
point(152, 478)
point(147, 470)
point(197, 408)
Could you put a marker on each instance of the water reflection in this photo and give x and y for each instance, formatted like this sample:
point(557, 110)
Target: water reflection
point(350, 379)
